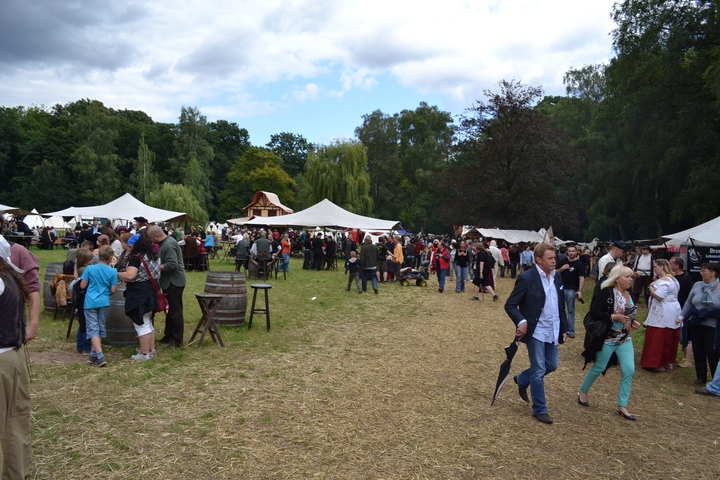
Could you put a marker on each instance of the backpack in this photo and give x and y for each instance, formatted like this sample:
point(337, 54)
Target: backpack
point(490, 262)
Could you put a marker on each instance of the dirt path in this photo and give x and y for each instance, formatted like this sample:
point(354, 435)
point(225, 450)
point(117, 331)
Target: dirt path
point(399, 389)
point(409, 397)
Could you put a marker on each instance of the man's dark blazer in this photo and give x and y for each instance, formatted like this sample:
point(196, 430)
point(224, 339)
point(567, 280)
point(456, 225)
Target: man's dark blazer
point(528, 299)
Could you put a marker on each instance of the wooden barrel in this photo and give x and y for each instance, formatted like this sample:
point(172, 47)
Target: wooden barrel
point(53, 269)
point(233, 287)
point(120, 329)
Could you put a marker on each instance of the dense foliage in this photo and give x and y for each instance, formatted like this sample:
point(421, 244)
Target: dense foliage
point(632, 150)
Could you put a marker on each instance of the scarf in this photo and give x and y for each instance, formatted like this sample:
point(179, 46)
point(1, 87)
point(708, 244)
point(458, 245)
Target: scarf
point(707, 289)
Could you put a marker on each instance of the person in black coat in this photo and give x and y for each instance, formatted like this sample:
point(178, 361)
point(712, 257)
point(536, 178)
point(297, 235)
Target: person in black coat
point(615, 308)
point(536, 307)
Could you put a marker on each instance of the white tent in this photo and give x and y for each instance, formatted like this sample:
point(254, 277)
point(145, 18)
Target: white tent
point(511, 236)
point(126, 207)
point(325, 214)
point(35, 220)
point(707, 233)
point(8, 209)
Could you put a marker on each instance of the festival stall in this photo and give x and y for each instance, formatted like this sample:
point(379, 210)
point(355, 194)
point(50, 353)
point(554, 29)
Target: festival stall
point(326, 214)
point(700, 243)
point(126, 208)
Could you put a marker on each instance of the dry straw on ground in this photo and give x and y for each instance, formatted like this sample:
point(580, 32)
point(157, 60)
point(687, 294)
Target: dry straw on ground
point(389, 386)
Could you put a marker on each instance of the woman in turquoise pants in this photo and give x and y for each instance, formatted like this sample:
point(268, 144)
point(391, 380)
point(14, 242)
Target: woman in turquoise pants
point(613, 306)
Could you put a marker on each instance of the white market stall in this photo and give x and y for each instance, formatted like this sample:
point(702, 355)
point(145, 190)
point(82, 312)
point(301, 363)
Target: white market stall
point(126, 207)
point(326, 214)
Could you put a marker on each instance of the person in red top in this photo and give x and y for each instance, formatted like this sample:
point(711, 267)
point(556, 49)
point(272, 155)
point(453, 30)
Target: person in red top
point(443, 260)
point(285, 252)
point(506, 259)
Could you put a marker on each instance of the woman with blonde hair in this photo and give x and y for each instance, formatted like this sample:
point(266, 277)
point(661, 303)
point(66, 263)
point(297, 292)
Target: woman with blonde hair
point(614, 307)
point(662, 334)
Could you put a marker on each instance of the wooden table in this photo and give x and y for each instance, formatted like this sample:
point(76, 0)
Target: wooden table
point(226, 252)
point(208, 304)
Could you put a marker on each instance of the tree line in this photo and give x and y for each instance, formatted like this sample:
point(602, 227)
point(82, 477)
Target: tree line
point(631, 150)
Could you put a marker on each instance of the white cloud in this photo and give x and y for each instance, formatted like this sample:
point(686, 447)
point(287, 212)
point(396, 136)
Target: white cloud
point(311, 90)
point(223, 55)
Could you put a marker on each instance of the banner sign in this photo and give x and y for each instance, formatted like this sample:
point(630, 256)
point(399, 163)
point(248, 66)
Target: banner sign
point(696, 256)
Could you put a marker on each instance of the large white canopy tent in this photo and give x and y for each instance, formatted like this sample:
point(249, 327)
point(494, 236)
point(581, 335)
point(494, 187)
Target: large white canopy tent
point(326, 214)
point(705, 234)
point(126, 207)
point(14, 210)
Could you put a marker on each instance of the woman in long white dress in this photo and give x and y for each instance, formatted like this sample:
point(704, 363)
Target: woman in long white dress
point(662, 334)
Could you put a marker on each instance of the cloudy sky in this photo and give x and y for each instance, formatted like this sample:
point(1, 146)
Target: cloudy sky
point(312, 67)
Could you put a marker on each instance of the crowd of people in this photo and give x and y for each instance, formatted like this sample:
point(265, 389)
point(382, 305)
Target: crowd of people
point(680, 312)
point(148, 260)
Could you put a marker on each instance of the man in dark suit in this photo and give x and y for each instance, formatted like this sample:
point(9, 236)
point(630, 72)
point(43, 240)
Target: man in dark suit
point(536, 308)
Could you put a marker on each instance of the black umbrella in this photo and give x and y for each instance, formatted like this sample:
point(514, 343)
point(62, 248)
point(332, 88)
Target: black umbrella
point(510, 351)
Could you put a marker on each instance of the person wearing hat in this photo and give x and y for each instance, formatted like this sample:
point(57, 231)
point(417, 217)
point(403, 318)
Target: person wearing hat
point(172, 281)
point(15, 443)
point(614, 255)
point(141, 225)
point(643, 274)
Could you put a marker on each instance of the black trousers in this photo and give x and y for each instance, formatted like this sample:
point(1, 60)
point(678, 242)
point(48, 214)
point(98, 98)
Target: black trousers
point(307, 260)
point(318, 260)
point(174, 321)
point(704, 353)
point(642, 285)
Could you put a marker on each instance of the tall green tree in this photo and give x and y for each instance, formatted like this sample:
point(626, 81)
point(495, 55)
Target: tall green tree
point(338, 172)
point(10, 139)
point(95, 164)
point(193, 156)
point(229, 142)
point(510, 165)
point(258, 169)
point(144, 179)
point(426, 136)
point(293, 149)
point(379, 133)
point(659, 121)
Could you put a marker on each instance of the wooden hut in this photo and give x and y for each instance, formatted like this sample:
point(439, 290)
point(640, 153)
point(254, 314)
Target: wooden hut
point(266, 204)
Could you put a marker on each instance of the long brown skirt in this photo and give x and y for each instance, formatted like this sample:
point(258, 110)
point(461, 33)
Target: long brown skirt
point(660, 348)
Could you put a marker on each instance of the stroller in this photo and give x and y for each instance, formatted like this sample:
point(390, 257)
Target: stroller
point(409, 274)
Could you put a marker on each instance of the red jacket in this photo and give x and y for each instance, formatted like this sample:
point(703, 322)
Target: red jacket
point(444, 258)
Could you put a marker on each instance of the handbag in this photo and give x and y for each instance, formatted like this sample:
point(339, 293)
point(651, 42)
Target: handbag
point(162, 302)
point(593, 327)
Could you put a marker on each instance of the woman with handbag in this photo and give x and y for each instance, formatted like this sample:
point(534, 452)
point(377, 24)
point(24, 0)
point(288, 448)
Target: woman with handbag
point(662, 334)
point(141, 291)
point(608, 324)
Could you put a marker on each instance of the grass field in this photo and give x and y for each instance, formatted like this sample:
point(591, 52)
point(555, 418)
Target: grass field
point(390, 386)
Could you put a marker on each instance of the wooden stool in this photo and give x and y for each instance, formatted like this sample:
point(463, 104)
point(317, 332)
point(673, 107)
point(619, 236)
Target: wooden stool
point(203, 264)
point(266, 310)
point(208, 304)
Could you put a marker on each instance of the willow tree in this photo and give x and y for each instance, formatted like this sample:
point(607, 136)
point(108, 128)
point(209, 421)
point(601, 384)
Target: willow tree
point(338, 172)
point(177, 198)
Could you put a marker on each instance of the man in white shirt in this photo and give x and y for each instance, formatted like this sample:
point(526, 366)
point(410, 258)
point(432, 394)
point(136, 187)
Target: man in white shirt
point(497, 255)
point(614, 255)
point(643, 273)
point(536, 307)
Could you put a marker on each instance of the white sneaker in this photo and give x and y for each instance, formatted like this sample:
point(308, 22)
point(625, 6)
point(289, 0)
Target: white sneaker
point(141, 357)
point(150, 354)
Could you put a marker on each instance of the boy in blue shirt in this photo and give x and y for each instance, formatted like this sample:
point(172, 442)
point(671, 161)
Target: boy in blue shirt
point(101, 282)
